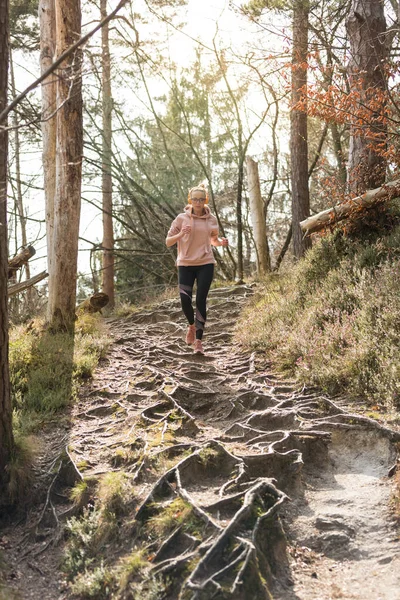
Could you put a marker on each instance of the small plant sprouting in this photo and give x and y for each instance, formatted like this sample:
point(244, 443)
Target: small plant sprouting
point(114, 492)
point(96, 583)
point(208, 455)
point(131, 566)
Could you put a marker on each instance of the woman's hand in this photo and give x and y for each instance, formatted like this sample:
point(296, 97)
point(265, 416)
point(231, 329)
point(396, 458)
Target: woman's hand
point(186, 229)
point(171, 240)
point(224, 242)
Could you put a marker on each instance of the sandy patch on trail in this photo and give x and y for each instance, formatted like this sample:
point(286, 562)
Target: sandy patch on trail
point(345, 544)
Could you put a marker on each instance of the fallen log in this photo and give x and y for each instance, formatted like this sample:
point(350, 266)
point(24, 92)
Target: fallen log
point(20, 287)
point(19, 260)
point(93, 304)
point(337, 213)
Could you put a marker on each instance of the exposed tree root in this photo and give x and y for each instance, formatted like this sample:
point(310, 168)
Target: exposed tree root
point(213, 447)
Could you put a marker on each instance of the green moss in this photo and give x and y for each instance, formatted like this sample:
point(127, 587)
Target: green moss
point(20, 468)
point(131, 567)
point(178, 512)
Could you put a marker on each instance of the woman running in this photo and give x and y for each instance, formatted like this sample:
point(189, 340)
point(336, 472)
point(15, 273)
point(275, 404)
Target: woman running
point(195, 231)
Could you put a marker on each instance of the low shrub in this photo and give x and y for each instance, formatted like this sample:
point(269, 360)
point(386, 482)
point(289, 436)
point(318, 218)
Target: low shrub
point(334, 319)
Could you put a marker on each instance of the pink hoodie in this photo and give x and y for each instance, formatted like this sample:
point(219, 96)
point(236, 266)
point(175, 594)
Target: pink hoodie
point(195, 249)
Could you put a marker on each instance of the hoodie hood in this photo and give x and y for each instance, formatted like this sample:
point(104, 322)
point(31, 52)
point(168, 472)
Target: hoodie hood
point(190, 213)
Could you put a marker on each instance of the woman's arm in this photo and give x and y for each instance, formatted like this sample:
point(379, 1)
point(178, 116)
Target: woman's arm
point(172, 239)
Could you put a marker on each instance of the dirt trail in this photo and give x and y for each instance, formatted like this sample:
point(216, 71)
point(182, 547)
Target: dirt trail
point(292, 491)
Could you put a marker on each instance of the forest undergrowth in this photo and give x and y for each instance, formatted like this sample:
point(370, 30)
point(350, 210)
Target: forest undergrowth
point(333, 320)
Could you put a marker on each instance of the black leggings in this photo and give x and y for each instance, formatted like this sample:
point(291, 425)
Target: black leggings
point(186, 278)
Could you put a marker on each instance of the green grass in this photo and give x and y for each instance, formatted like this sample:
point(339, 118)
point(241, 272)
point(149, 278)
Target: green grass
point(20, 469)
point(334, 319)
point(131, 567)
point(46, 369)
point(115, 493)
point(93, 584)
point(178, 512)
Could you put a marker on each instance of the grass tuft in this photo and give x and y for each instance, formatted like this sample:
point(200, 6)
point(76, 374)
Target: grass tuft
point(115, 493)
point(131, 567)
point(47, 368)
point(96, 584)
point(175, 513)
point(20, 469)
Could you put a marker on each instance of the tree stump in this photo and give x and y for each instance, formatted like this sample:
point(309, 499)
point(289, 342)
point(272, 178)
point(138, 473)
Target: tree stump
point(19, 260)
point(93, 304)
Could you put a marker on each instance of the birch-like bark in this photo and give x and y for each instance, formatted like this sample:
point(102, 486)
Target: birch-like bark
point(257, 214)
point(333, 215)
point(69, 148)
point(47, 19)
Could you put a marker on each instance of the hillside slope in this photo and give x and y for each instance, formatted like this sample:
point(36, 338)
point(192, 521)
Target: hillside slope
point(208, 477)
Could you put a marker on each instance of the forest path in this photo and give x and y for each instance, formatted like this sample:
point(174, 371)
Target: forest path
point(265, 465)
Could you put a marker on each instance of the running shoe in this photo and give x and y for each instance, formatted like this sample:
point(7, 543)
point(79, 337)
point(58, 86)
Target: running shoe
point(198, 347)
point(191, 334)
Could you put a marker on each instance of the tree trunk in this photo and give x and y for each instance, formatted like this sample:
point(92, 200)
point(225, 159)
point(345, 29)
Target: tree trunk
point(284, 249)
point(26, 285)
point(333, 215)
point(239, 220)
point(47, 16)
point(67, 202)
point(258, 217)
point(20, 260)
point(6, 435)
point(19, 197)
point(337, 147)
point(298, 127)
point(366, 27)
point(108, 232)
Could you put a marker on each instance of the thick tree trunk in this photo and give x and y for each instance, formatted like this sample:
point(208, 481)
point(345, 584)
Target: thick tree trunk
point(47, 16)
point(257, 214)
point(298, 127)
point(67, 203)
point(108, 232)
point(366, 27)
point(333, 215)
point(6, 435)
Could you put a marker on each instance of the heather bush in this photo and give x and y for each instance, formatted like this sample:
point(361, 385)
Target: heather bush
point(334, 319)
